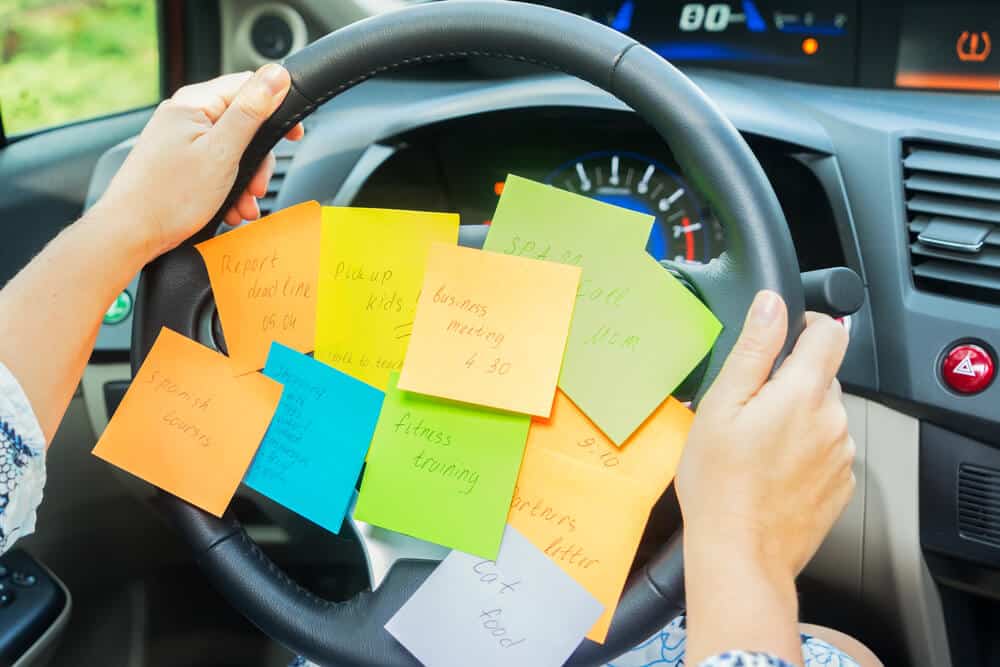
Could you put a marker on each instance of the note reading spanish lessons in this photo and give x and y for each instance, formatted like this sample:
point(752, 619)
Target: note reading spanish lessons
point(588, 522)
point(520, 609)
point(442, 471)
point(188, 424)
point(264, 277)
point(650, 456)
point(637, 332)
point(312, 453)
point(491, 329)
point(371, 269)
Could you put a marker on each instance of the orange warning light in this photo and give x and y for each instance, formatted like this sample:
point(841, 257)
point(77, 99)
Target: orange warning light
point(810, 46)
point(973, 47)
point(498, 188)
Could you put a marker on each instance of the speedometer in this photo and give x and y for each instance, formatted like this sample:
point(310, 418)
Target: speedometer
point(684, 230)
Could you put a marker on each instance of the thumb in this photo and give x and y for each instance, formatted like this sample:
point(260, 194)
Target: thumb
point(254, 103)
point(749, 364)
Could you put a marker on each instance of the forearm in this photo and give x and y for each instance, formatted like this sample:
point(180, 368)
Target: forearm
point(735, 602)
point(51, 311)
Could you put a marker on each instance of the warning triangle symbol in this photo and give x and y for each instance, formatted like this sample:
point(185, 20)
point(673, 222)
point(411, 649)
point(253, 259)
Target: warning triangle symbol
point(965, 367)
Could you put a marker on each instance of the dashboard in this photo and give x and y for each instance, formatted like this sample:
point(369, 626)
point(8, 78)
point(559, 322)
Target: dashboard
point(853, 109)
point(921, 44)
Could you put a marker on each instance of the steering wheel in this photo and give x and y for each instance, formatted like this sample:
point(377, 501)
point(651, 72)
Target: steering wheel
point(174, 290)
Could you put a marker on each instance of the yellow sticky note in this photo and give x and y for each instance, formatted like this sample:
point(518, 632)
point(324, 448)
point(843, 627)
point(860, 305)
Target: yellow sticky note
point(371, 269)
point(588, 522)
point(264, 278)
point(650, 456)
point(188, 424)
point(491, 329)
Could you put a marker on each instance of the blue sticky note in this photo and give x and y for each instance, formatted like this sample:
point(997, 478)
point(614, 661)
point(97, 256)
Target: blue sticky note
point(312, 453)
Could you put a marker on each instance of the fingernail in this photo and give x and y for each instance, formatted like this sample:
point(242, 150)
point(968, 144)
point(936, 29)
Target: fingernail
point(764, 310)
point(273, 76)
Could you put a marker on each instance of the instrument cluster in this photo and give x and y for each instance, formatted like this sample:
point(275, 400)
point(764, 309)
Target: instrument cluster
point(920, 44)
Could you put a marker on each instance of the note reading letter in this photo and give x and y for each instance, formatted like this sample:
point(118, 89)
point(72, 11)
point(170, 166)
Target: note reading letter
point(588, 522)
point(637, 332)
point(520, 609)
point(371, 269)
point(491, 329)
point(442, 471)
point(188, 424)
point(264, 279)
point(312, 453)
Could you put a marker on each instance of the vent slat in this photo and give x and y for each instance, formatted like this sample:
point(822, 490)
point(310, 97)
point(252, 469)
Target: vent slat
point(282, 164)
point(987, 257)
point(982, 504)
point(982, 487)
point(952, 272)
point(954, 186)
point(984, 527)
point(952, 198)
point(979, 504)
point(952, 162)
point(970, 209)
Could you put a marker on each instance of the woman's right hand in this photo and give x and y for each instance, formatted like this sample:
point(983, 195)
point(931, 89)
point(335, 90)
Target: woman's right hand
point(767, 468)
point(768, 462)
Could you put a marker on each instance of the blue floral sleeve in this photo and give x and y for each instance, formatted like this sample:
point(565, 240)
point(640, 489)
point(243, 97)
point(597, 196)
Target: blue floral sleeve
point(22, 462)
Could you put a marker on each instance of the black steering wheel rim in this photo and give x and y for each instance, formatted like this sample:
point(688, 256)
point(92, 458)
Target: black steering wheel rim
point(174, 289)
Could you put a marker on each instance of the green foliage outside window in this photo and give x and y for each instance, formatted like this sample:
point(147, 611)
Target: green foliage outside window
point(68, 60)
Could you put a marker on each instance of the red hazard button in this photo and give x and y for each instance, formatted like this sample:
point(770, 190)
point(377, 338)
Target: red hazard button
point(967, 368)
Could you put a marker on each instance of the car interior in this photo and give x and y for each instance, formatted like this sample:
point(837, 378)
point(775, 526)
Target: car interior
point(877, 125)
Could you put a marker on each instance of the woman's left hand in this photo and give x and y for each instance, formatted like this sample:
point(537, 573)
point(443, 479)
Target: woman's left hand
point(185, 162)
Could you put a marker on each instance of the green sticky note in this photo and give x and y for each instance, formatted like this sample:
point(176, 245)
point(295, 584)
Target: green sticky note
point(636, 332)
point(442, 471)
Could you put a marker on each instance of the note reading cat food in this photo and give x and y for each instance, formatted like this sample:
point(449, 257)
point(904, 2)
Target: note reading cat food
point(520, 609)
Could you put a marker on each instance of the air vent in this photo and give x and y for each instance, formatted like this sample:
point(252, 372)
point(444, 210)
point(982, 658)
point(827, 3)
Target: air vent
point(979, 504)
point(284, 152)
point(953, 213)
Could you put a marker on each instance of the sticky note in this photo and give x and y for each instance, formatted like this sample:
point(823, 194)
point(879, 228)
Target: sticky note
point(442, 471)
point(520, 609)
point(650, 456)
point(490, 329)
point(264, 279)
point(637, 332)
point(188, 424)
point(312, 453)
point(589, 523)
point(371, 269)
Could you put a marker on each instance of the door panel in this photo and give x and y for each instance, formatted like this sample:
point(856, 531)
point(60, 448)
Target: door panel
point(44, 179)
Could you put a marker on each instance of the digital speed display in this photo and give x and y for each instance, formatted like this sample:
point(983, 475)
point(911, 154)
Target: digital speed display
point(953, 49)
point(808, 40)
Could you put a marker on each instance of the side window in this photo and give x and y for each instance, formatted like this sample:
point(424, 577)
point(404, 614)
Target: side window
point(68, 60)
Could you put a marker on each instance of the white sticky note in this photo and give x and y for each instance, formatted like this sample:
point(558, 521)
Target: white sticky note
point(520, 610)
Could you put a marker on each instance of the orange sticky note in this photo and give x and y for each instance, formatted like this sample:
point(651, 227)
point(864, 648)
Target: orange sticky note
point(264, 278)
point(650, 456)
point(588, 522)
point(490, 329)
point(187, 424)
